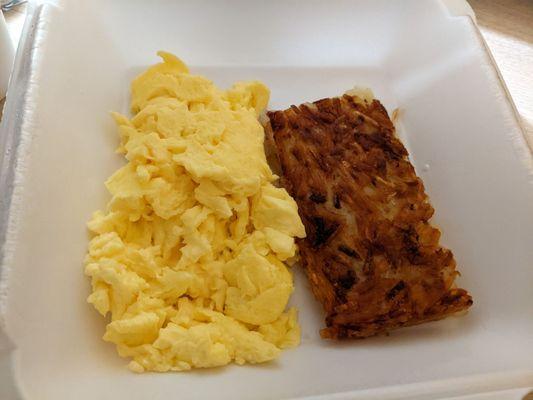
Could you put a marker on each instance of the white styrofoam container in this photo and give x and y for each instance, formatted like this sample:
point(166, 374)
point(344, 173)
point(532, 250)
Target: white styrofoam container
point(425, 57)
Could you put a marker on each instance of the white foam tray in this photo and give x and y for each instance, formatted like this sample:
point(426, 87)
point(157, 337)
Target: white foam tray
point(74, 66)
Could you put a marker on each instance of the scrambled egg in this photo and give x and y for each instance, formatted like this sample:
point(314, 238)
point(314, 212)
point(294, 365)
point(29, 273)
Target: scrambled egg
point(189, 256)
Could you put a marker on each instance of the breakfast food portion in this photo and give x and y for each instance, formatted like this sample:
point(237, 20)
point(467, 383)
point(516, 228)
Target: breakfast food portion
point(189, 258)
point(372, 258)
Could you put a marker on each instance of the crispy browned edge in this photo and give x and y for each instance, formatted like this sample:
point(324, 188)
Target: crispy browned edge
point(385, 269)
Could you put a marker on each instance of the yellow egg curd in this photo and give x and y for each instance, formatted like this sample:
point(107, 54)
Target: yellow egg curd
point(189, 257)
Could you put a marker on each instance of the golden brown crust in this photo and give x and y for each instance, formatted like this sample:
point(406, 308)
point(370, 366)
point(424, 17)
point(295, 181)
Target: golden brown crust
point(372, 257)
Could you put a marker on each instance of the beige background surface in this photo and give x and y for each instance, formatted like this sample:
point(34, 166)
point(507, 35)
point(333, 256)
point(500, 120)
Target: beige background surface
point(506, 25)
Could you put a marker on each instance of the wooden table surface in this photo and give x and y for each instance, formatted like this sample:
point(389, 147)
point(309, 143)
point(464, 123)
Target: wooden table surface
point(506, 25)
